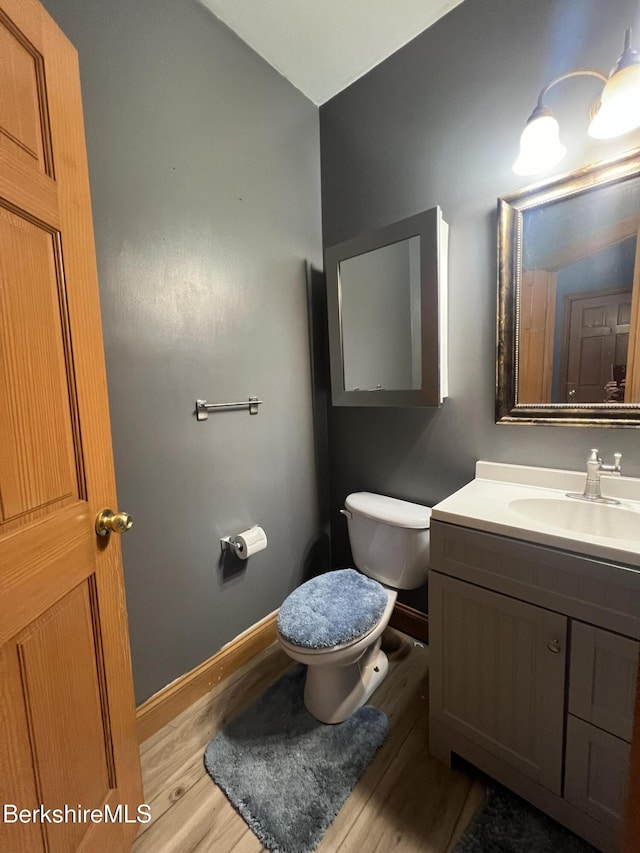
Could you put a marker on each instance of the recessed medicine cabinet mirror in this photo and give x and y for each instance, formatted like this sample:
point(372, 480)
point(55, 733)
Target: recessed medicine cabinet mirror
point(568, 338)
point(386, 297)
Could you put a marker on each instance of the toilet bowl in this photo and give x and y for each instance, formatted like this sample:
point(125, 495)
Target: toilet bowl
point(334, 623)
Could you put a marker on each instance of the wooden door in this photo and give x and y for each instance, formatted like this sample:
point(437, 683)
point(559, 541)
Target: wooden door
point(537, 327)
point(597, 338)
point(497, 675)
point(632, 387)
point(67, 713)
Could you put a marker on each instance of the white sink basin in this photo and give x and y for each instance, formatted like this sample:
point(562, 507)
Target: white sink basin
point(531, 504)
point(580, 516)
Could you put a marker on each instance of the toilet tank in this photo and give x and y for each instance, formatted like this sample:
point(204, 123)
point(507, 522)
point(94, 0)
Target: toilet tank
point(389, 539)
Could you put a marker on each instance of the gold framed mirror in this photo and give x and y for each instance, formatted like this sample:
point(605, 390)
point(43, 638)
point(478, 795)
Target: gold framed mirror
point(568, 335)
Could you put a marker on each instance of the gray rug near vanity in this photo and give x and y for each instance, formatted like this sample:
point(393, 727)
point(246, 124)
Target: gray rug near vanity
point(508, 824)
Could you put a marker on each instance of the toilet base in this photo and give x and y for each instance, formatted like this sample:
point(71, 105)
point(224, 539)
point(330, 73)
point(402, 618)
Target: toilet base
point(333, 693)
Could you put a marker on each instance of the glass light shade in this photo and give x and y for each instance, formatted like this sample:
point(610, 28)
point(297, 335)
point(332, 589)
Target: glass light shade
point(540, 146)
point(619, 110)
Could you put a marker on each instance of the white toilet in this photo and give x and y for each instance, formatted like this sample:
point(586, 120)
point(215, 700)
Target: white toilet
point(334, 622)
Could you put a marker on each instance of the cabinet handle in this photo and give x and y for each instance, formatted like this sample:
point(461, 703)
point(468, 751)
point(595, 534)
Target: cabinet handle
point(554, 646)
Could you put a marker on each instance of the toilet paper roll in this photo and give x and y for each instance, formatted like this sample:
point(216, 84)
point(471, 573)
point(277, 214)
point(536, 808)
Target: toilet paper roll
point(249, 542)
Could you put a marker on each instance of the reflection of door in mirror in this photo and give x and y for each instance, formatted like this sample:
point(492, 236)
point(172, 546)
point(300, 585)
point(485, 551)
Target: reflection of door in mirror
point(537, 324)
point(596, 339)
point(579, 295)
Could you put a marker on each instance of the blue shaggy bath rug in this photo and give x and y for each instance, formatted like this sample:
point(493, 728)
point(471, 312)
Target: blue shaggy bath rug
point(508, 824)
point(287, 774)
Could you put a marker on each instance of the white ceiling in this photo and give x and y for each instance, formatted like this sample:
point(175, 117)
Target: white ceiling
point(321, 46)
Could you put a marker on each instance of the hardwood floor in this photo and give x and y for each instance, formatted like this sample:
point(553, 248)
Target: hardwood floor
point(406, 801)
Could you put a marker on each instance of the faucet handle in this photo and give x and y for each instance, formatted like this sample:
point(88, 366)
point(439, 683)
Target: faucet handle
point(616, 467)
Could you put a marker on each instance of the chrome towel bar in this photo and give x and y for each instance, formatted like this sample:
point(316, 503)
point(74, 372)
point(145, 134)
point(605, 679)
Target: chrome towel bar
point(203, 408)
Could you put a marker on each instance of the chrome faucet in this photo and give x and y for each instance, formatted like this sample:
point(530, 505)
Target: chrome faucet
point(595, 467)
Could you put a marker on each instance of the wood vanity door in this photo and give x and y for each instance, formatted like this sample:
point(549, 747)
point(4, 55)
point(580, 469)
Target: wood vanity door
point(497, 675)
point(67, 713)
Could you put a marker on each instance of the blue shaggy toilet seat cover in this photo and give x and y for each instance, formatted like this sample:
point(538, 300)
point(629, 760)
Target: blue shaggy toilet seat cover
point(331, 609)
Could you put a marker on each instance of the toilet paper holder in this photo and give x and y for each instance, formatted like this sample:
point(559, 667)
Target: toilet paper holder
point(227, 544)
point(245, 544)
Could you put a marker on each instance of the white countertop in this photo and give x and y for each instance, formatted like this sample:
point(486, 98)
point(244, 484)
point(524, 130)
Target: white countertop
point(485, 504)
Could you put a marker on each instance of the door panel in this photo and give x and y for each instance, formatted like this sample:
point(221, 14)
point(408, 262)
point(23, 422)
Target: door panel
point(17, 781)
point(603, 678)
point(493, 677)
point(596, 772)
point(67, 713)
point(537, 326)
point(24, 132)
point(35, 572)
point(597, 336)
point(38, 464)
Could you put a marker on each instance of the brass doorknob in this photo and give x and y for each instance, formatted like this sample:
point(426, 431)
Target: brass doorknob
point(109, 521)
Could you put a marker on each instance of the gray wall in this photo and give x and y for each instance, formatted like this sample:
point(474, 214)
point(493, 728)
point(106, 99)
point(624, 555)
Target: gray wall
point(205, 177)
point(439, 123)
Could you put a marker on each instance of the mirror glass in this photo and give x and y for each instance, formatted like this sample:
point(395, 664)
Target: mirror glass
point(569, 297)
point(380, 293)
point(386, 303)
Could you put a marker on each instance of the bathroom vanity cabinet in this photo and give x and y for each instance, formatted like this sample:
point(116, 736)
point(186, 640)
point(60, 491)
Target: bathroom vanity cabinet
point(533, 662)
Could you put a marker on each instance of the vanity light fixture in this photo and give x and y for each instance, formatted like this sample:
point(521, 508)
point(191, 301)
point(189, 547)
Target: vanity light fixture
point(617, 111)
